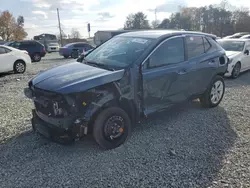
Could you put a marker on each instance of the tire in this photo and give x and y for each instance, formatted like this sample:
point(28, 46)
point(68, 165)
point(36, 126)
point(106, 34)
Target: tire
point(66, 56)
point(119, 119)
point(75, 54)
point(212, 97)
point(36, 57)
point(236, 70)
point(19, 67)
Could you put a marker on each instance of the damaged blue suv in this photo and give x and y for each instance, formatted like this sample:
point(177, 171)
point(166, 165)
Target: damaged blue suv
point(130, 76)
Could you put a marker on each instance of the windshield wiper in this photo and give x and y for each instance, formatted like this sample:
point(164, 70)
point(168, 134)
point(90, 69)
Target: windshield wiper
point(98, 65)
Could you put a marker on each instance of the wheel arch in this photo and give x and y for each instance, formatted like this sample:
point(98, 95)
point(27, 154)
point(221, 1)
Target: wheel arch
point(17, 61)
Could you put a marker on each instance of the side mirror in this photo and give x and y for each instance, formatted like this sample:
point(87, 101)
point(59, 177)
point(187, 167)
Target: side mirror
point(80, 58)
point(246, 52)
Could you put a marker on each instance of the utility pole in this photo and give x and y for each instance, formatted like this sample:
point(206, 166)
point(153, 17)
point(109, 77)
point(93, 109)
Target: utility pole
point(155, 15)
point(59, 23)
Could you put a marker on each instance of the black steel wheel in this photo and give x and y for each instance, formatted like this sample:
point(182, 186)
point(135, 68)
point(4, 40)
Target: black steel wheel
point(111, 128)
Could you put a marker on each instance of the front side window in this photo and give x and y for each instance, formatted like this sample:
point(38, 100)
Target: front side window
point(195, 46)
point(119, 51)
point(232, 45)
point(170, 52)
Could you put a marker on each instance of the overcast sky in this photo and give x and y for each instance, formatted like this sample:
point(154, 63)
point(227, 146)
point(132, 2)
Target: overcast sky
point(40, 15)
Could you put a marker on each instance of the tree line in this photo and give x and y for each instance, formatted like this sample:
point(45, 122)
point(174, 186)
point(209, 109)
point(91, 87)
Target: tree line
point(11, 28)
point(221, 20)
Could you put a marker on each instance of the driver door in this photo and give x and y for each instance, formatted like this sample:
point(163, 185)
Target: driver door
point(165, 75)
point(245, 61)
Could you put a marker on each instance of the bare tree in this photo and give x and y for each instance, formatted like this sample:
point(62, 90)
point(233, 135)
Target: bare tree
point(155, 24)
point(75, 34)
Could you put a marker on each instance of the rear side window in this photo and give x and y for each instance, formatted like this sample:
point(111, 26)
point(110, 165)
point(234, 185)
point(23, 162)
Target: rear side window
point(170, 52)
point(207, 45)
point(4, 50)
point(194, 46)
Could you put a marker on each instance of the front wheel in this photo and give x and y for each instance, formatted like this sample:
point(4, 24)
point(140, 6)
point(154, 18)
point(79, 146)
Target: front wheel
point(214, 94)
point(19, 67)
point(111, 128)
point(236, 70)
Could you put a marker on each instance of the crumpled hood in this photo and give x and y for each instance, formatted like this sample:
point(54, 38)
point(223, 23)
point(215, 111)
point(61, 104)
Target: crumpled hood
point(74, 77)
point(232, 54)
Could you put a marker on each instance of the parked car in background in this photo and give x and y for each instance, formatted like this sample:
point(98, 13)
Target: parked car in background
point(236, 35)
point(35, 49)
point(74, 49)
point(12, 59)
point(132, 74)
point(49, 41)
point(237, 51)
point(245, 37)
point(52, 47)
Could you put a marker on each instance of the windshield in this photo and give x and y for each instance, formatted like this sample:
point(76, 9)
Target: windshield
point(232, 45)
point(119, 51)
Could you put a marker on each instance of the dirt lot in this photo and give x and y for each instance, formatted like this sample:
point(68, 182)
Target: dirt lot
point(186, 146)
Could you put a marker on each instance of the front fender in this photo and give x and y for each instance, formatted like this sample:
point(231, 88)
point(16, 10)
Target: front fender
point(107, 100)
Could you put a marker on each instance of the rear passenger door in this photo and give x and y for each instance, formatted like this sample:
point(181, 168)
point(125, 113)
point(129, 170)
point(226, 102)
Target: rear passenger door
point(202, 61)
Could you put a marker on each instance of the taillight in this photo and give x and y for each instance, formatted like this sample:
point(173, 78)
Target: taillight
point(44, 50)
point(26, 53)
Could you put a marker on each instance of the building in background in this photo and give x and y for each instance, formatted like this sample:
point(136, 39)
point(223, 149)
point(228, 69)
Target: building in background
point(102, 36)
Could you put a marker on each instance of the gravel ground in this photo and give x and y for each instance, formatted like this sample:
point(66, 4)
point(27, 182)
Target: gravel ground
point(186, 146)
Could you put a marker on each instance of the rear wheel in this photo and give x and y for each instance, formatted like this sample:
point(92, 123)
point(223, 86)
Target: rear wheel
point(214, 94)
point(36, 57)
point(66, 56)
point(111, 128)
point(236, 70)
point(19, 67)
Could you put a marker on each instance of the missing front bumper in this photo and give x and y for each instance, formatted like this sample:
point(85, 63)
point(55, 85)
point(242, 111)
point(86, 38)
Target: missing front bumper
point(61, 135)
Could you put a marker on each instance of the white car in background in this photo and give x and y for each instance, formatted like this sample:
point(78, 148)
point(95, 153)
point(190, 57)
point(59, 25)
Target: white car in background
point(12, 59)
point(53, 47)
point(237, 50)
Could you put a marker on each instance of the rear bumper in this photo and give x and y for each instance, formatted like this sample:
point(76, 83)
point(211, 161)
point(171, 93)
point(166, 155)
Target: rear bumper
point(53, 49)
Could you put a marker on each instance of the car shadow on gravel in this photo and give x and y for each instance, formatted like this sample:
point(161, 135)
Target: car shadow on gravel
point(182, 147)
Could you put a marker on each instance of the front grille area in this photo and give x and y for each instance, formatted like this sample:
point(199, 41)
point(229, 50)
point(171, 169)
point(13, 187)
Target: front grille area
point(50, 104)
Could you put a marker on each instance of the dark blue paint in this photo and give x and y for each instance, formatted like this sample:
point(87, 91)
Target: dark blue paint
point(146, 90)
point(74, 77)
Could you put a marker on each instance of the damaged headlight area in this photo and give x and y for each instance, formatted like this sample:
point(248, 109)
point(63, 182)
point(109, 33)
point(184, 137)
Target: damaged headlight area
point(52, 105)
